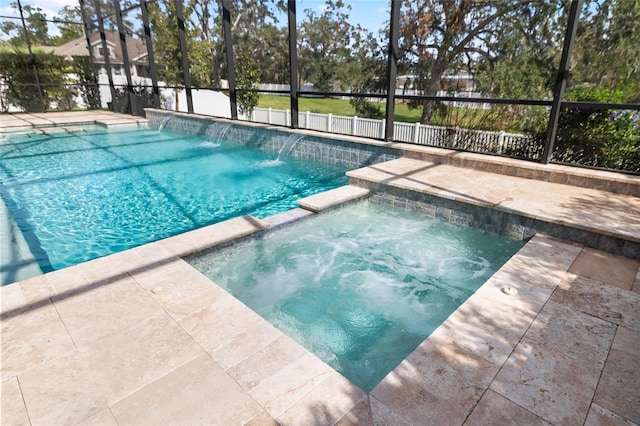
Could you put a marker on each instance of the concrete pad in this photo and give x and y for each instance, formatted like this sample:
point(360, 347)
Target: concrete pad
point(619, 387)
point(605, 267)
point(325, 200)
point(200, 393)
point(495, 409)
point(548, 383)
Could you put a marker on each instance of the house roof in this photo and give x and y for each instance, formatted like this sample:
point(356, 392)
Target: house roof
point(136, 48)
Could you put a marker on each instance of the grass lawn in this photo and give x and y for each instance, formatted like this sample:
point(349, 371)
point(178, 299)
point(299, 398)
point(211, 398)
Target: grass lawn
point(333, 106)
point(463, 117)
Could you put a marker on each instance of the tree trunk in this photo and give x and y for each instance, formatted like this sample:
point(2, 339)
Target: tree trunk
point(217, 84)
point(432, 89)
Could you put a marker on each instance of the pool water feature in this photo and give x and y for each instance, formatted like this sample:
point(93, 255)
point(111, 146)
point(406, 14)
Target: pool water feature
point(362, 286)
point(83, 194)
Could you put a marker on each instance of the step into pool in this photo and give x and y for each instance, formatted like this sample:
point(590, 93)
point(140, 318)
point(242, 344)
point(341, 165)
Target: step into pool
point(361, 286)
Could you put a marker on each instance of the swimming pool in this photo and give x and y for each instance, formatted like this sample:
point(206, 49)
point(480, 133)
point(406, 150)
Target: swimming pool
point(86, 193)
point(362, 286)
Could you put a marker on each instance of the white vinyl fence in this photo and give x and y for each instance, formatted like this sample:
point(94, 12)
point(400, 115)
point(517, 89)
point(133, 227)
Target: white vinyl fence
point(421, 134)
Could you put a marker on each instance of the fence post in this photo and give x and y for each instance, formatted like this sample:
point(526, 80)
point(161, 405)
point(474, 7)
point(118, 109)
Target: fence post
point(416, 131)
point(287, 118)
point(269, 115)
point(354, 126)
point(500, 141)
point(329, 122)
point(307, 116)
point(383, 129)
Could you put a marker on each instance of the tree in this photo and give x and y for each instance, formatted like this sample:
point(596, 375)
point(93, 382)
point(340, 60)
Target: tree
point(17, 72)
point(446, 36)
point(166, 47)
point(70, 25)
point(367, 71)
point(607, 51)
point(36, 24)
point(247, 77)
point(324, 46)
point(88, 88)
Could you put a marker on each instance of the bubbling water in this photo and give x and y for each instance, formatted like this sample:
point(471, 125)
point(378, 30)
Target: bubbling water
point(363, 286)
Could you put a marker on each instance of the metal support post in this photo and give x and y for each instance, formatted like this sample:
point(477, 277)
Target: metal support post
point(87, 36)
point(105, 52)
point(125, 58)
point(293, 63)
point(32, 59)
point(185, 57)
point(228, 44)
point(561, 80)
point(153, 69)
point(392, 69)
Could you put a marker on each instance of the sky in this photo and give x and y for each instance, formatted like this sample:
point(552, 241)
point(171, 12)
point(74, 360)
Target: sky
point(371, 14)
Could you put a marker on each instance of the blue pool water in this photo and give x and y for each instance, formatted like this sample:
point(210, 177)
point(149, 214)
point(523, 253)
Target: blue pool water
point(361, 287)
point(86, 194)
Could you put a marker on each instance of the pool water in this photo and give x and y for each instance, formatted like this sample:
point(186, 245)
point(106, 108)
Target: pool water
point(361, 287)
point(84, 194)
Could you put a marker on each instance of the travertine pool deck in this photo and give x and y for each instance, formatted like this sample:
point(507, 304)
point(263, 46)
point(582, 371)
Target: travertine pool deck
point(140, 337)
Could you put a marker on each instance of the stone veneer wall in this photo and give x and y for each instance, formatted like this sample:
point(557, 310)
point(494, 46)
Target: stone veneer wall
point(492, 220)
point(328, 150)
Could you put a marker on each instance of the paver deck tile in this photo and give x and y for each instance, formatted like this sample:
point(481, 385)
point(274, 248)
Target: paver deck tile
point(266, 362)
point(198, 393)
point(548, 383)
point(106, 309)
point(12, 409)
point(607, 268)
point(607, 302)
point(582, 337)
point(290, 384)
point(619, 387)
point(325, 404)
point(599, 416)
point(69, 389)
point(495, 409)
point(438, 383)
